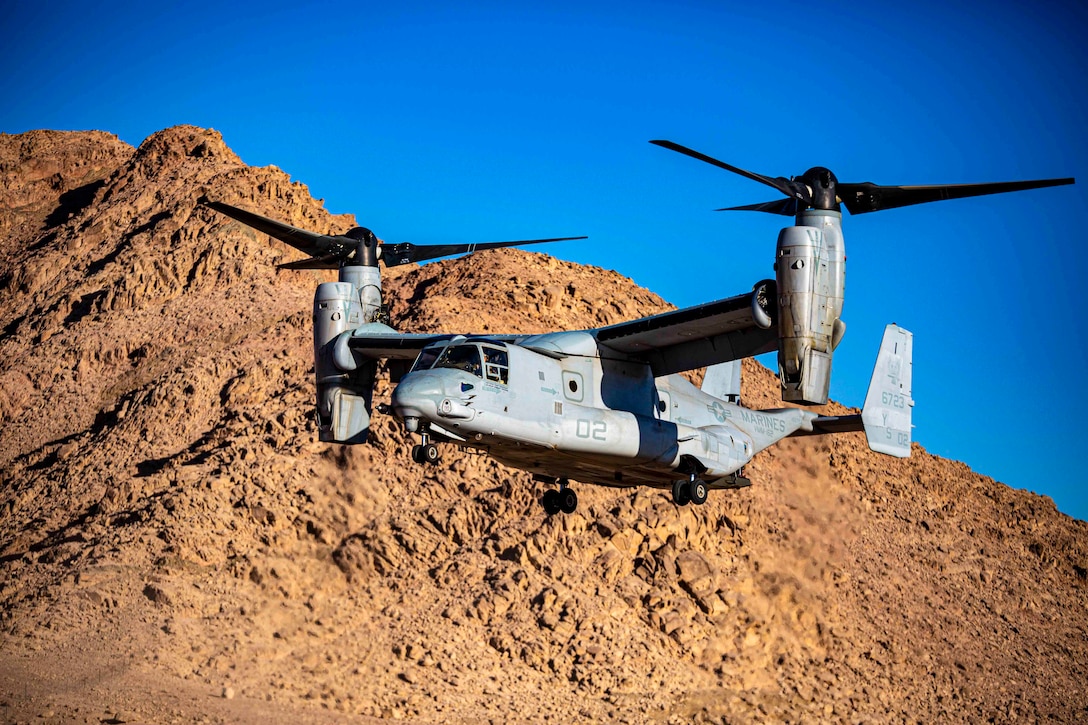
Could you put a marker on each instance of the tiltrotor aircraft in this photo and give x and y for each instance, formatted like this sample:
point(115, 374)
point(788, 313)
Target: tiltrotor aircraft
point(607, 405)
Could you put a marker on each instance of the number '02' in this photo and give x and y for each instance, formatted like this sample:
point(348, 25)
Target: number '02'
point(588, 429)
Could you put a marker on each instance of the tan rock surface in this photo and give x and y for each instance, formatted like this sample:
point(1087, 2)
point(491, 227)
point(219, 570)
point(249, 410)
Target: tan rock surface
point(175, 544)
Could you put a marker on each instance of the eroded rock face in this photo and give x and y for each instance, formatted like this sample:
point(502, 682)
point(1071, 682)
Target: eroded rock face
point(164, 501)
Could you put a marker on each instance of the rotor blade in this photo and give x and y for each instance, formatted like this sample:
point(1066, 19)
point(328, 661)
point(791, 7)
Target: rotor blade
point(405, 252)
point(785, 207)
point(312, 243)
point(867, 196)
point(329, 261)
point(787, 187)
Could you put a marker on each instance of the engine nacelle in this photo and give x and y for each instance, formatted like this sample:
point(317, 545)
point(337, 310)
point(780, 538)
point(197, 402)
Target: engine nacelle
point(810, 269)
point(344, 392)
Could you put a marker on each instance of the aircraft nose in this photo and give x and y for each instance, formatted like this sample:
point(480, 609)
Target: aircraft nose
point(417, 396)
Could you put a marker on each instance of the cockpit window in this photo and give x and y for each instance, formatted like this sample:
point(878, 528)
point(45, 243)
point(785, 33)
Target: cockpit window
point(461, 357)
point(496, 364)
point(426, 358)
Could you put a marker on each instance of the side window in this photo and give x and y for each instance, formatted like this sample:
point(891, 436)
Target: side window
point(573, 387)
point(664, 405)
point(496, 365)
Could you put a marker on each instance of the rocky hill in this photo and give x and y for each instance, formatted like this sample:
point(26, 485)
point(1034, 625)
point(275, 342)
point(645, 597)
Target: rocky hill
point(175, 544)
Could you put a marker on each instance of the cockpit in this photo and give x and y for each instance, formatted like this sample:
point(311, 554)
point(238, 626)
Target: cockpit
point(488, 360)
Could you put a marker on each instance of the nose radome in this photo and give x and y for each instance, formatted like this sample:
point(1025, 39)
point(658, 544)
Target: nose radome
point(417, 395)
point(420, 385)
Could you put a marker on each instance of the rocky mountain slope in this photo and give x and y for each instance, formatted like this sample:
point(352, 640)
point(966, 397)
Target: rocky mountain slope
point(175, 544)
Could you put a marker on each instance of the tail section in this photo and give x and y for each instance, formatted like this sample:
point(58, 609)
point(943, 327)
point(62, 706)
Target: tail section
point(886, 417)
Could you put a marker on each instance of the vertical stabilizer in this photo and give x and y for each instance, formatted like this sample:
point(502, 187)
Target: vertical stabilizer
point(887, 413)
point(723, 381)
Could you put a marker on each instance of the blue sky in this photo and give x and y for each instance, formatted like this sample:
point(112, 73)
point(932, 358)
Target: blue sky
point(438, 123)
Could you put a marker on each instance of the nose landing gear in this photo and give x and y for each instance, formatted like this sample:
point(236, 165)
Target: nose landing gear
point(425, 452)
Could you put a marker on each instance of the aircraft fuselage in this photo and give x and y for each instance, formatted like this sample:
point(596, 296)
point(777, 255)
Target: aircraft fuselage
point(559, 405)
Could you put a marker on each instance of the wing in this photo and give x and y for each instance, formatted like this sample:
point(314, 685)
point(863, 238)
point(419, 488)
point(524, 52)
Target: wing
point(694, 337)
point(389, 345)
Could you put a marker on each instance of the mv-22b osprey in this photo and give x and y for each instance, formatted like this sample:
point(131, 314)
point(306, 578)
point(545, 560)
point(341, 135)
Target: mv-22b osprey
point(607, 405)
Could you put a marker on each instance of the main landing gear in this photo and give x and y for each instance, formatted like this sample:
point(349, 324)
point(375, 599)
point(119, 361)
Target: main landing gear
point(565, 499)
point(692, 490)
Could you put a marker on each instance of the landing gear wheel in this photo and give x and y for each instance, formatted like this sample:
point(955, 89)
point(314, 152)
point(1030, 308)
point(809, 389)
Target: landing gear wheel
point(552, 504)
point(681, 492)
point(417, 453)
point(429, 454)
point(568, 500)
point(697, 490)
